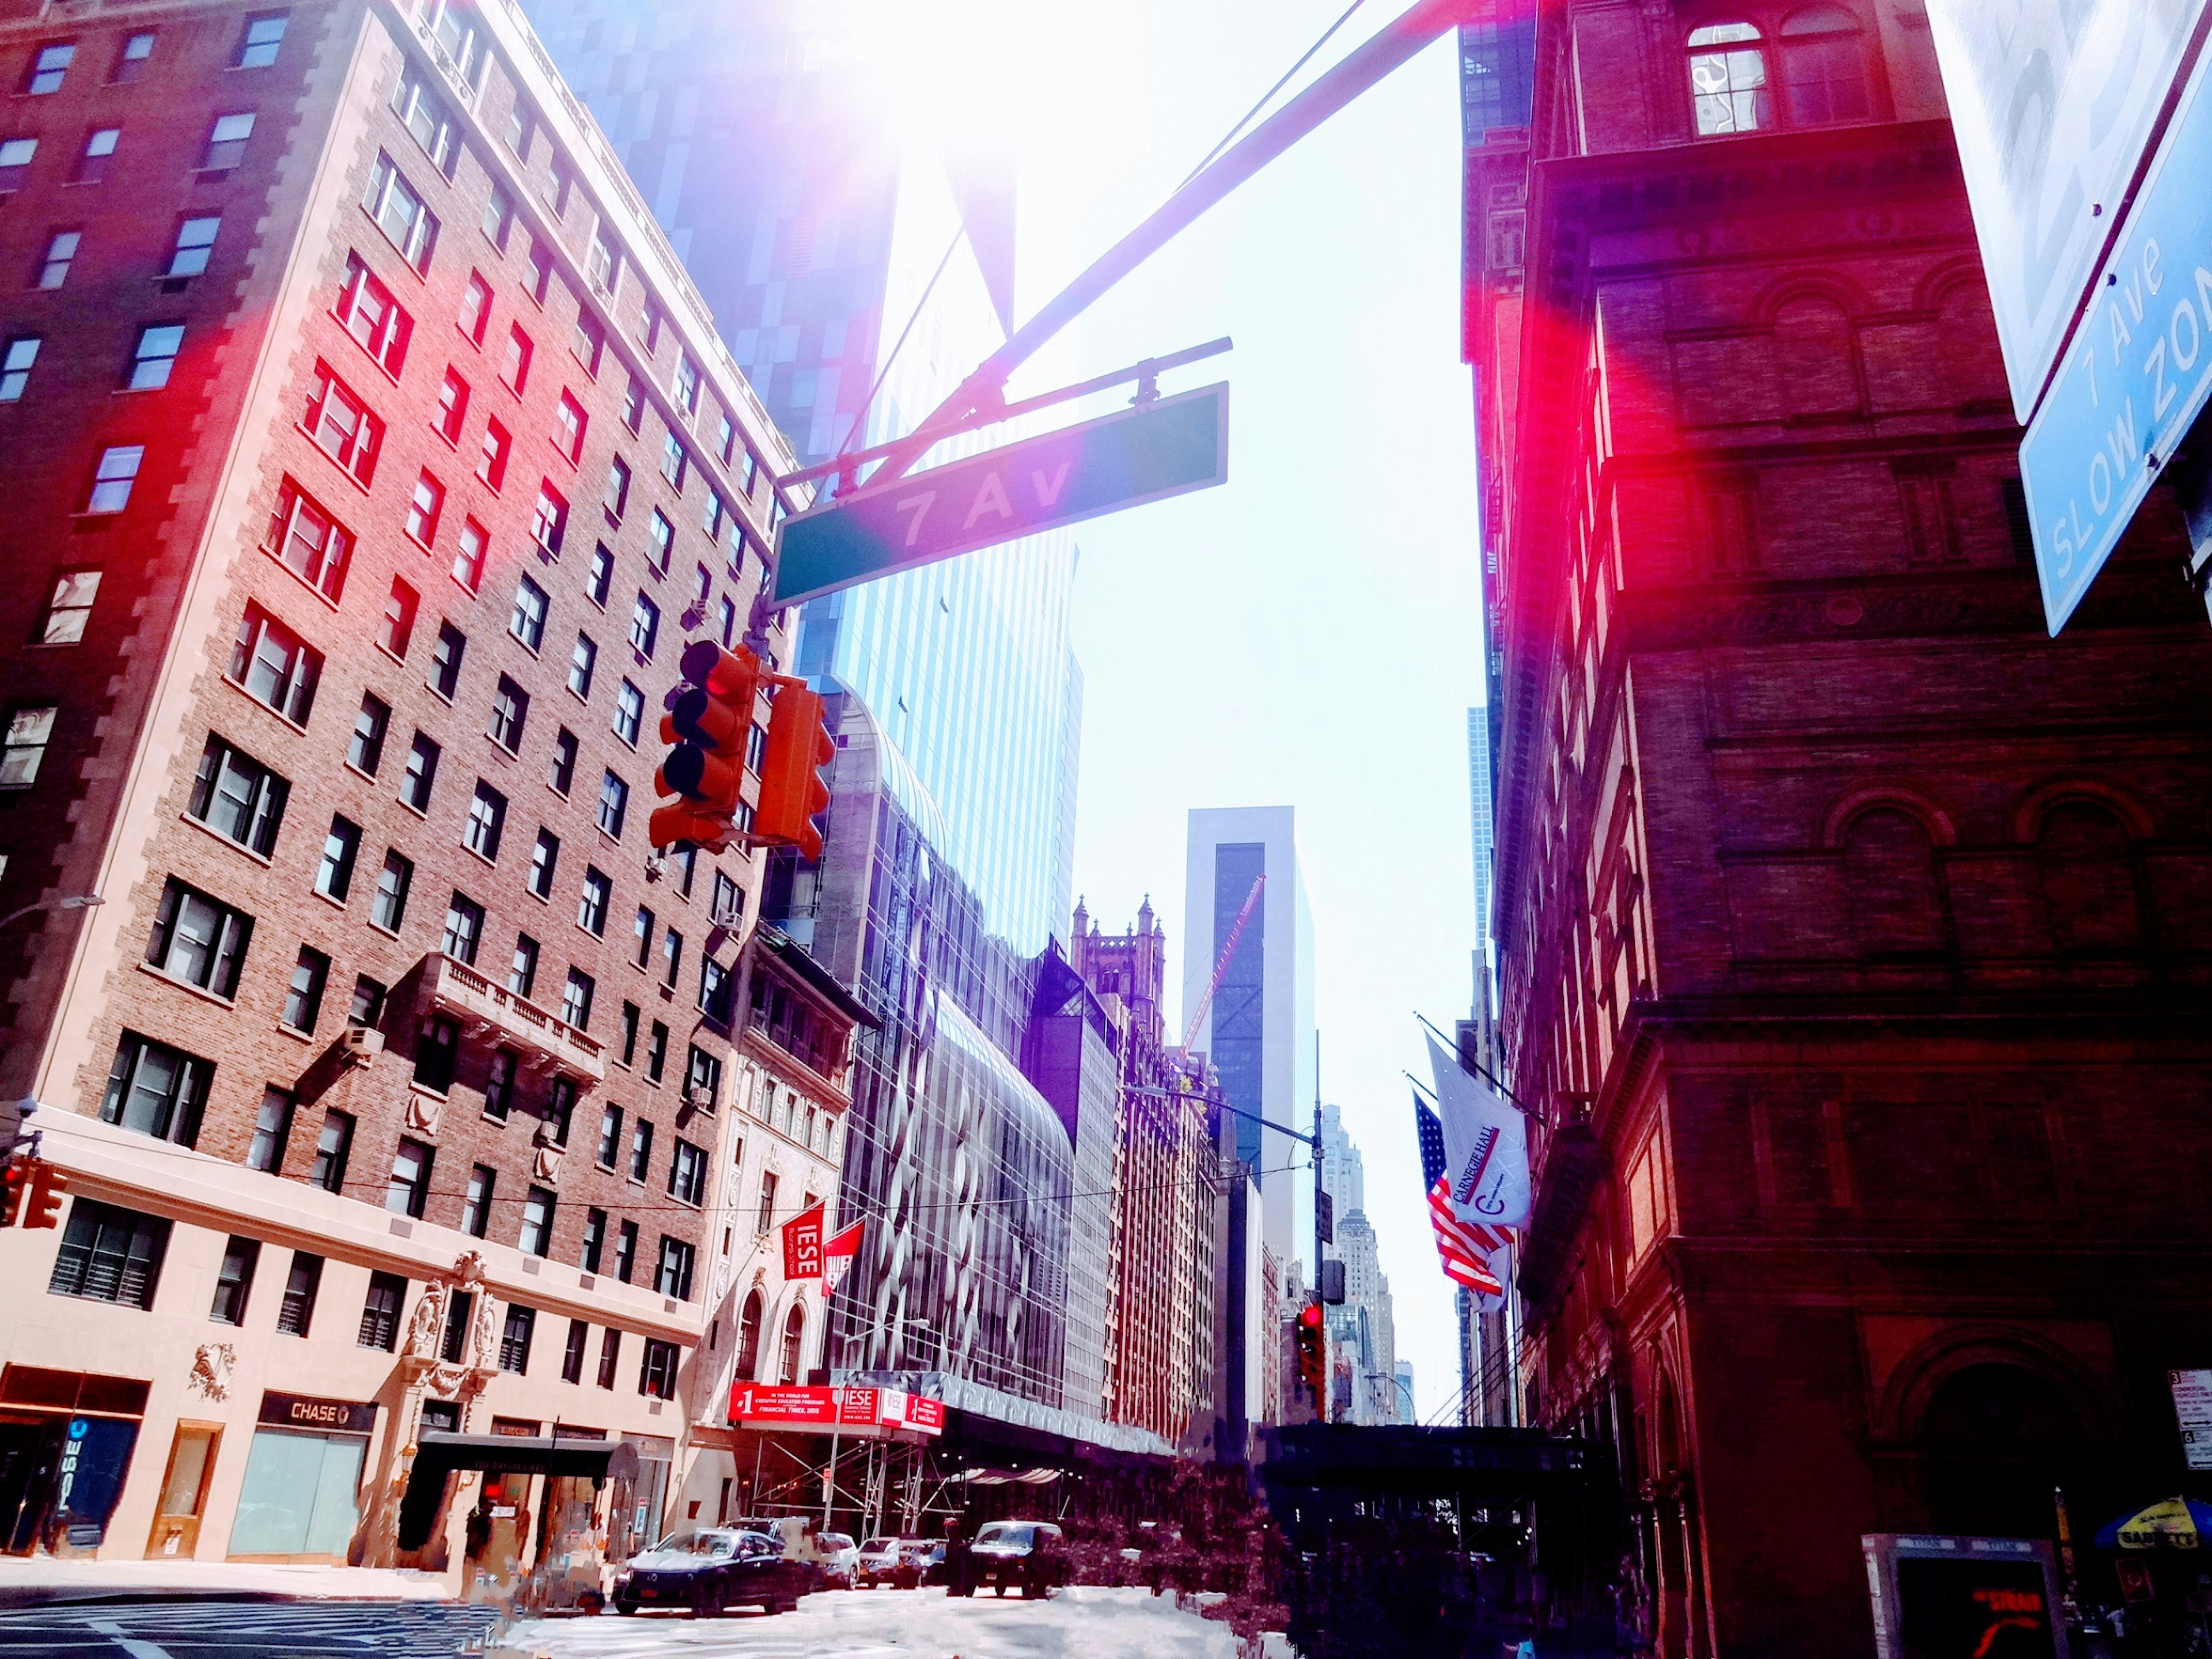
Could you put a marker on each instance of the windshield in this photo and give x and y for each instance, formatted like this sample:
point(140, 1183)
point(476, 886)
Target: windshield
point(699, 1543)
point(1001, 1532)
point(876, 1544)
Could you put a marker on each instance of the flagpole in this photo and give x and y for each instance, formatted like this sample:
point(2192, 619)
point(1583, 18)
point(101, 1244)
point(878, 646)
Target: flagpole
point(1466, 1065)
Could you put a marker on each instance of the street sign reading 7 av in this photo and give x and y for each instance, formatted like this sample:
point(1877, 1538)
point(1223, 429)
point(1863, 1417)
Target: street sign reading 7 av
point(1165, 448)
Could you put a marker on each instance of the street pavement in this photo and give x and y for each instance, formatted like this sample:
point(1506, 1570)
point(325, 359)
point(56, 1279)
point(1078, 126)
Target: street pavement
point(1079, 1623)
point(172, 1629)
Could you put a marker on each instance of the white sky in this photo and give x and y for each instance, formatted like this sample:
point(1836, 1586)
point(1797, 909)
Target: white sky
point(1308, 633)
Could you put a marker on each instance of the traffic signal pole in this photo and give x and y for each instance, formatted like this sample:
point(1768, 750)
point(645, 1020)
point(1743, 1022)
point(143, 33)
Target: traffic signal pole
point(982, 394)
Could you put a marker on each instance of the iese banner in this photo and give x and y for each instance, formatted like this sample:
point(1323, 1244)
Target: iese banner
point(802, 1405)
point(2134, 375)
point(2053, 103)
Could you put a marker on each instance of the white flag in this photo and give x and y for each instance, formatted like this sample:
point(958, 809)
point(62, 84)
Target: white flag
point(1486, 1147)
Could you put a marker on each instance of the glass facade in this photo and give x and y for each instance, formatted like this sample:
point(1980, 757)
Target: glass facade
point(1497, 70)
point(1239, 1032)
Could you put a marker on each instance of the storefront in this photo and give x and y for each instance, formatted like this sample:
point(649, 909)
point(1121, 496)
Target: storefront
point(540, 1522)
point(66, 1439)
point(302, 1499)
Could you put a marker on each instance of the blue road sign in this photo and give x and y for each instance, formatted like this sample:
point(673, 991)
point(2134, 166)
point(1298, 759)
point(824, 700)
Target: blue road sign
point(1159, 449)
point(2136, 373)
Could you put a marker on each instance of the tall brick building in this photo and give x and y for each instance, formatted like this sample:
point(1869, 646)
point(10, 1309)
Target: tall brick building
point(371, 460)
point(1852, 934)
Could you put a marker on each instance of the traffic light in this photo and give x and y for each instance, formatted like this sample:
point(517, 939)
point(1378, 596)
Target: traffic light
point(792, 791)
point(1313, 1355)
point(706, 728)
point(33, 1197)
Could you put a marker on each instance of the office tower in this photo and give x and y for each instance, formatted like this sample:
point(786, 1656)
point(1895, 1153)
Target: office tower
point(1258, 1033)
point(369, 457)
point(1342, 1172)
point(1850, 928)
point(821, 238)
point(1405, 1412)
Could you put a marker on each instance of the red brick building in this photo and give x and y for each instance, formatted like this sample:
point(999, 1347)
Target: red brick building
point(371, 460)
point(1853, 935)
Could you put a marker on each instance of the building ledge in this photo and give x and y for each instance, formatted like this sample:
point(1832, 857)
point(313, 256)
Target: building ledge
point(493, 1010)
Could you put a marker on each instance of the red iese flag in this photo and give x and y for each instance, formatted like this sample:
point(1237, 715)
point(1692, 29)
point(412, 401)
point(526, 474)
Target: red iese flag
point(802, 1245)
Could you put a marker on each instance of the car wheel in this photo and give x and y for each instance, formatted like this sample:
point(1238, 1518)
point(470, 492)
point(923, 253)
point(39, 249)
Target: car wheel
point(625, 1607)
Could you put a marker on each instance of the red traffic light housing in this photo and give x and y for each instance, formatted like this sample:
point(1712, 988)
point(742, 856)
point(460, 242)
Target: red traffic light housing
point(34, 1194)
point(792, 793)
point(1313, 1355)
point(707, 727)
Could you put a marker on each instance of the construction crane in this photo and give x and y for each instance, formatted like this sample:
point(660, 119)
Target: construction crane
point(1221, 967)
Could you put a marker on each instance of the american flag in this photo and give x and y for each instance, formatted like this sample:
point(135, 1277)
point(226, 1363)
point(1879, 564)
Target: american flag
point(1466, 1247)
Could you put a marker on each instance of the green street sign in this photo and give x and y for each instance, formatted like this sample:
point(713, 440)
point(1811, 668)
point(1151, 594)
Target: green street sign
point(1167, 447)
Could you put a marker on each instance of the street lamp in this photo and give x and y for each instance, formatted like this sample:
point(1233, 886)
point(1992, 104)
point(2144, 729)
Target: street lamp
point(67, 902)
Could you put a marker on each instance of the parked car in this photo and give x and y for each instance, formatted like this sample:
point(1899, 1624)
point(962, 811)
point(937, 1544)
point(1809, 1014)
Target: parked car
point(705, 1571)
point(877, 1563)
point(1031, 1556)
point(841, 1560)
point(921, 1561)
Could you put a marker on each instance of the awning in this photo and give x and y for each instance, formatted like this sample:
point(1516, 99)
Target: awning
point(438, 1454)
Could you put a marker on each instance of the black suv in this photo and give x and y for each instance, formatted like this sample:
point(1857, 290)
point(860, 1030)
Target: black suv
point(1031, 1556)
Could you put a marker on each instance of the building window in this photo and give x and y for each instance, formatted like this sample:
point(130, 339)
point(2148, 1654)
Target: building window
point(366, 1011)
point(581, 662)
point(425, 504)
point(109, 1254)
point(686, 384)
point(29, 732)
point(16, 365)
point(656, 1377)
point(308, 542)
point(452, 406)
point(499, 1082)
point(642, 931)
point(153, 356)
point(640, 1150)
point(644, 626)
point(588, 340)
point(459, 1310)
point(257, 47)
point(1728, 79)
point(662, 534)
point(510, 709)
point(476, 310)
point(342, 426)
point(616, 497)
point(446, 661)
point(373, 317)
point(341, 850)
point(538, 270)
point(674, 462)
point(625, 1250)
point(767, 1205)
point(570, 415)
point(400, 214)
point(195, 246)
point(591, 907)
point(527, 621)
point(464, 928)
point(536, 1237)
point(274, 665)
point(726, 909)
point(491, 461)
point(486, 823)
point(423, 113)
point(611, 1122)
point(614, 804)
point(595, 1240)
point(794, 1335)
point(93, 161)
point(239, 798)
point(548, 519)
point(379, 1313)
point(656, 1052)
point(333, 1148)
point(572, 1354)
point(130, 63)
point(633, 403)
point(629, 713)
point(199, 939)
point(398, 626)
point(303, 997)
point(49, 66)
point(409, 1189)
point(156, 1090)
point(687, 1173)
point(476, 1201)
point(498, 220)
point(564, 762)
point(16, 155)
point(296, 1312)
point(543, 859)
point(389, 909)
point(470, 549)
point(609, 1356)
point(602, 264)
point(1824, 67)
point(421, 775)
point(226, 141)
point(672, 1276)
point(272, 1132)
point(702, 1077)
point(365, 748)
point(437, 1051)
point(514, 367)
point(576, 999)
point(113, 478)
point(629, 1016)
point(717, 991)
point(561, 1108)
point(522, 971)
point(749, 1333)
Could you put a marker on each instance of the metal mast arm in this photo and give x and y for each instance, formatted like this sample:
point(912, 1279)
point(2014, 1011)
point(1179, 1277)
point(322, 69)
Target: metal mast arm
point(984, 391)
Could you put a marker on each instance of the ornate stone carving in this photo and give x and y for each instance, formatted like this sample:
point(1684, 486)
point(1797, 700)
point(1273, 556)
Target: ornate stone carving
point(423, 1112)
point(212, 1365)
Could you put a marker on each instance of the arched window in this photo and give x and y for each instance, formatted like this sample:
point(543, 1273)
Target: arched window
point(1891, 866)
point(1823, 67)
point(794, 1333)
point(748, 1323)
point(1813, 355)
point(2088, 884)
point(1728, 79)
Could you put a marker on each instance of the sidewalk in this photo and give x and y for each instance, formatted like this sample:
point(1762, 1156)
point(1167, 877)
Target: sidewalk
point(34, 1580)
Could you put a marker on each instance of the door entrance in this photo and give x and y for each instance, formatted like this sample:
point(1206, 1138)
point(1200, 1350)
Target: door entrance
point(184, 1491)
